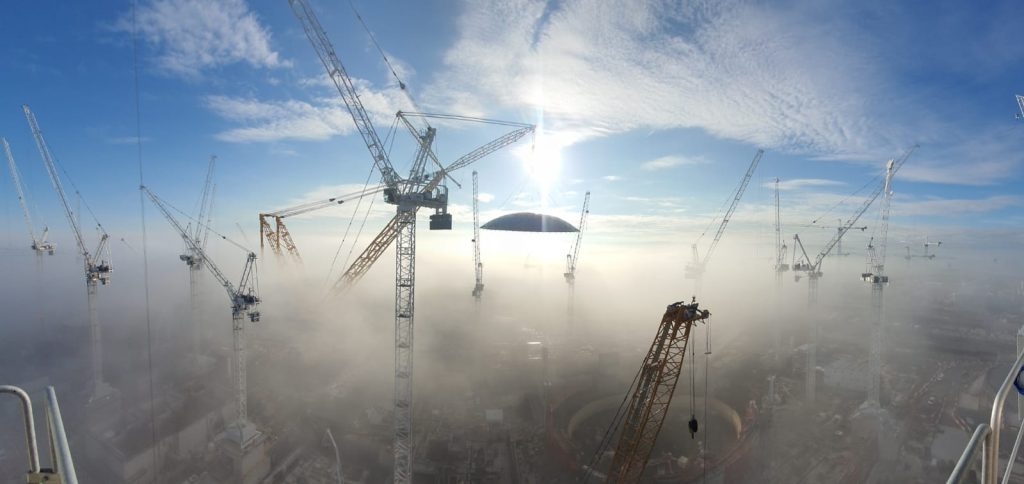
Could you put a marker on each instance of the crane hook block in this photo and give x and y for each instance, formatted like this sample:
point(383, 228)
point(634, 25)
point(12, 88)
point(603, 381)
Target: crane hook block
point(693, 426)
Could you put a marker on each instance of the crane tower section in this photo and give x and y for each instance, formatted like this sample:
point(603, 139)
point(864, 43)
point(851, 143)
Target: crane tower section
point(478, 266)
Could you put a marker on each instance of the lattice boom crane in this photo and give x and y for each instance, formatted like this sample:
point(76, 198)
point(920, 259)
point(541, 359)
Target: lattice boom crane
point(696, 268)
point(652, 391)
point(39, 244)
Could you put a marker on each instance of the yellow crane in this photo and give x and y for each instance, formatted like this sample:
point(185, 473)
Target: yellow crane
point(650, 394)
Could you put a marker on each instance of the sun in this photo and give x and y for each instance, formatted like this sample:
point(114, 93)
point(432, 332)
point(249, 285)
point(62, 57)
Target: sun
point(544, 162)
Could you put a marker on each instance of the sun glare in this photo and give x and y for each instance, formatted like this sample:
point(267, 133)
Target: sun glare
point(544, 163)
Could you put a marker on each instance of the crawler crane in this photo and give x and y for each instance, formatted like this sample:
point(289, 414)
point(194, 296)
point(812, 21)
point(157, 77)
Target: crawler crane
point(650, 394)
point(39, 244)
point(97, 266)
point(244, 302)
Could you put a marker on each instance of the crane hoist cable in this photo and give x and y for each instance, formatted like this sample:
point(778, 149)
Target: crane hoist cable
point(359, 202)
point(870, 182)
point(203, 224)
point(379, 49)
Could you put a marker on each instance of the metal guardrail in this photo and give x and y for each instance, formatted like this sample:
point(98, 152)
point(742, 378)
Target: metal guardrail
point(63, 470)
point(987, 435)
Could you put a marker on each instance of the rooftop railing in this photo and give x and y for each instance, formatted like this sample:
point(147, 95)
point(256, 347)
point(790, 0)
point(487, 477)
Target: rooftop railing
point(986, 436)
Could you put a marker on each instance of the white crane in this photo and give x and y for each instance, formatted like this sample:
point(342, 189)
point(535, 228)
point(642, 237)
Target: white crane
point(813, 268)
point(244, 303)
point(97, 263)
point(478, 266)
point(419, 189)
point(875, 274)
point(194, 260)
point(278, 236)
point(696, 267)
point(389, 233)
point(573, 257)
point(39, 244)
point(780, 246)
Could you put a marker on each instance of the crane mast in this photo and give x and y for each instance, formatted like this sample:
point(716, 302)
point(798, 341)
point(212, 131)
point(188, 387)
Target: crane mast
point(780, 247)
point(478, 266)
point(696, 268)
point(652, 391)
point(875, 274)
point(194, 260)
point(244, 302)
point(39, 244)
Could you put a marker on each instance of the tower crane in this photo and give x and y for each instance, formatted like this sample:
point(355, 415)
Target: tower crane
point(927, 245)
point(695, 268)
point(780, 246)
point(875, 274)
point(39, 244)
point(97, 263)
point(193, 259)
point(572, 258)
point(650, 395)
point(813, 268)
point(244, 305)
point(387, 235)
point(1020, 105)
point(409, 194)
point(278, 236)
point(478, 267)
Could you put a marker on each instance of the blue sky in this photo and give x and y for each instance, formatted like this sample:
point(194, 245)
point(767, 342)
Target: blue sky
point(656, 108)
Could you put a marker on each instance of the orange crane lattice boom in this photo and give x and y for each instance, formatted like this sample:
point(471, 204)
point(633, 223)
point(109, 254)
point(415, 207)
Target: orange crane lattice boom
point(652, 392)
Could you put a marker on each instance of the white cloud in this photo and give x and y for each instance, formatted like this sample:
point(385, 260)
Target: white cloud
point(127, 140)
point(671, 161)
point(193, 35)
point(611, 178)
point(485, 197)
point(798, 183)
point(947, 207)
point(299, 120)
point(741, 71)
